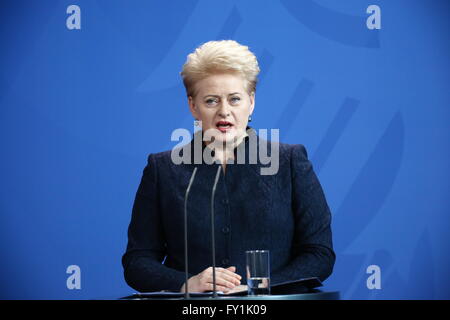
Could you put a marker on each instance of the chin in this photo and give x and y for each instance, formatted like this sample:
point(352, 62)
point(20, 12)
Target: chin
point(222, 137)
point(226, 137)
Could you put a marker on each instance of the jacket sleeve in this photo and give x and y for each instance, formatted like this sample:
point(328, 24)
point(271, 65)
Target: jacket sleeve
point(312, 250)
point(146, 249)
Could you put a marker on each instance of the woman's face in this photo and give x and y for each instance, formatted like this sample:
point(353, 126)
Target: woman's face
point(222, 103)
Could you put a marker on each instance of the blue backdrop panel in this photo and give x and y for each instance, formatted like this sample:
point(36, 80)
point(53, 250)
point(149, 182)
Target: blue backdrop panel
point(80, 109)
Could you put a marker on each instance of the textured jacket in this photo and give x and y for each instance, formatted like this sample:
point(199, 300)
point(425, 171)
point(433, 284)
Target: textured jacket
point(285, 213)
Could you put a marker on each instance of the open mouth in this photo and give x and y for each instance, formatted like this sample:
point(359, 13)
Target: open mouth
point(224, 126)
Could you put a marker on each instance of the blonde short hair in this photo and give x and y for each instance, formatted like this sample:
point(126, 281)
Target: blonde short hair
point(225, 56)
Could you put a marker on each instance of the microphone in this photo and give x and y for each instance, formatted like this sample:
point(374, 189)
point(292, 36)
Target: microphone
point(186, 292)
point(213, 243)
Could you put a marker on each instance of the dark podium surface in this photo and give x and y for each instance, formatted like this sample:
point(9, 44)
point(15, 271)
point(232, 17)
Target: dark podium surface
point(300, 289)
point(312, 295)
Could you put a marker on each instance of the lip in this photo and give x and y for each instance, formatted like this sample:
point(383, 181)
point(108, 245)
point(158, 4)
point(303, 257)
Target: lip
point(224, 129)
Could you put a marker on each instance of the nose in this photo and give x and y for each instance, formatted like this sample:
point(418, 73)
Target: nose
point(224, 110)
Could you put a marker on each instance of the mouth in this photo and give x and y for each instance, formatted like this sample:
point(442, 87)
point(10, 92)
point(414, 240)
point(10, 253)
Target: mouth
point(224, 126)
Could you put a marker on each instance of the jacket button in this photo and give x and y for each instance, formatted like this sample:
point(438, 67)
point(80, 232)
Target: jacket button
point(225, 201)
point(225, 230)
point(225, 261)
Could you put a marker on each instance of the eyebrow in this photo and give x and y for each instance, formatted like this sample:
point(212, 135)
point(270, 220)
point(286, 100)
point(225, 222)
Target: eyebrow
point(213, 95)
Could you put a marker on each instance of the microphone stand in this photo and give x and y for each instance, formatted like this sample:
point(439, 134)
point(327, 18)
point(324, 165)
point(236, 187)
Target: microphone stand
point(186, 291)
point(213, 244)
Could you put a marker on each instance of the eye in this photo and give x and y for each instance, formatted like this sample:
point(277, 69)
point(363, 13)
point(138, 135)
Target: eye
point(235, 100)
point(211, 102)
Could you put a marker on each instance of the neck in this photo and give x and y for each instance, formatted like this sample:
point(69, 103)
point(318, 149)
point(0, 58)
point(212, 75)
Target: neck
point(225, 150)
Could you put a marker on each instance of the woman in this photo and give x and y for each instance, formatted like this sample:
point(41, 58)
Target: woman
point(285, 213)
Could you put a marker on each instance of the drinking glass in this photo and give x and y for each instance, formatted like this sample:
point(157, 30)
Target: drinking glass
point(258, 272)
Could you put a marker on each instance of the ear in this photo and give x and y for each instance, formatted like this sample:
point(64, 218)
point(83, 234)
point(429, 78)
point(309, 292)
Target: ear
point(252, 102)
point(192, 107)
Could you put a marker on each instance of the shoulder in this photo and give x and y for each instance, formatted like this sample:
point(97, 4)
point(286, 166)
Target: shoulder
point(298, 152)
point(298, 158)
point(287, 151)
point(294, 150)
point(288, 159)
point(294, 157)
point(160, 161)
point(164, 164)
point(159, 157)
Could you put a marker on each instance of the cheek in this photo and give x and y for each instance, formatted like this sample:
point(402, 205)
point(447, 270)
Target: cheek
point(243, 115)
point(207, 116)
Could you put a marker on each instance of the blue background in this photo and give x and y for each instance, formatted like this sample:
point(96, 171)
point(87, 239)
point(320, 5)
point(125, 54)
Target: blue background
point(80, 110)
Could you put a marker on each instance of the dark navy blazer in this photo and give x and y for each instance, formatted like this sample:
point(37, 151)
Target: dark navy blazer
point(285, 213)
